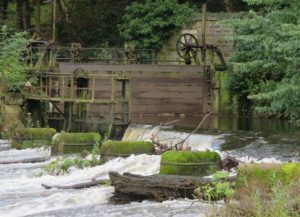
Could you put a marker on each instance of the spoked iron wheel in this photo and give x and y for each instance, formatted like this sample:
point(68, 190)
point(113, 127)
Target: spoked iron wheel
point(187, 47)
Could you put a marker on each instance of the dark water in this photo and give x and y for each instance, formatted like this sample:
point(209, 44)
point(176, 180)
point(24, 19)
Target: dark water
point(250, 137)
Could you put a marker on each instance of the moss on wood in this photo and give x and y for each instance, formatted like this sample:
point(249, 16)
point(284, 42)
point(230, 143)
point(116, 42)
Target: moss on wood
point(32, 137)
point(74, 142)
point(200, 163)
point(119, 148)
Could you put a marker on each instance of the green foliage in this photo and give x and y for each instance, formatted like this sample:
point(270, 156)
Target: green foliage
point(93, 23)
point(150, 23)
point(74, 142)
point(266, 191)
point(200, 163)
point(62, 165)
point(218, 189)
point(264, 67)
point(13, 59)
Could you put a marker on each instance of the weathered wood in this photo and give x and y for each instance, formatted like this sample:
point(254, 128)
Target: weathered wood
point(92, 183)
point(129, 187)
point(28, 160)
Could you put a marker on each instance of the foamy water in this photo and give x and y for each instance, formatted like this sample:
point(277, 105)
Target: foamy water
point(21, 193)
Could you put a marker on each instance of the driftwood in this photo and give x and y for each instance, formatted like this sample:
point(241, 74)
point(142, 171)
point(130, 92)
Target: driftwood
point(29, 160)
point(129, 187)
point(93, 182)
point(161, 147)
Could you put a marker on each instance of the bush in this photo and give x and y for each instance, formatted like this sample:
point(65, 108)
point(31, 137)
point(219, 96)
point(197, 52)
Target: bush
point(264, 68)
point(13, 60)
point(200, 163)
point(74, 142)
point(126, 148)
point(266, 190)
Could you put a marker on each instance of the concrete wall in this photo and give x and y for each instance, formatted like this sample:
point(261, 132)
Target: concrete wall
point(216, 34)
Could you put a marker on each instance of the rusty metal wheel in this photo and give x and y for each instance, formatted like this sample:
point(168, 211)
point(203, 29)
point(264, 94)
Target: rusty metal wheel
point(187, 47)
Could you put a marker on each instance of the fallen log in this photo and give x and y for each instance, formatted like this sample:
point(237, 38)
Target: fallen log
point(28, 160)
point(92, 183)
point(129, 187)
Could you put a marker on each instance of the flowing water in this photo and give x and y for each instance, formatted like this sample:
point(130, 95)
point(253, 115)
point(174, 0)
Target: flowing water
point(21, 193)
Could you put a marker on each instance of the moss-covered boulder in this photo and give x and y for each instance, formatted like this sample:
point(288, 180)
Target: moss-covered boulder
point(191, 163)
point(32, 137)
point(126, 148)
point(68, 143)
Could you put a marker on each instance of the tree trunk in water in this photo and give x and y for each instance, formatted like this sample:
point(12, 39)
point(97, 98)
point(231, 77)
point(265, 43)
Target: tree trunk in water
point(29, 160)
point(92, 183)
point(129, 187)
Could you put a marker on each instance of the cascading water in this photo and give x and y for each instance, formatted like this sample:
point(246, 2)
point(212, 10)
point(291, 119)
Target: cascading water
point(21, 193)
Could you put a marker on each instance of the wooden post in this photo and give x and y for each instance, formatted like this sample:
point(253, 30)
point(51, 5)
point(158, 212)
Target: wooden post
point(72, 87)
point(112, 108)
point(38, 15)
point(41, 87)
point(62, 87)
point(204, 9)
point(93, 90)
point(204, 17)
point(127, 105)
point(53, 20)
point(50, 87)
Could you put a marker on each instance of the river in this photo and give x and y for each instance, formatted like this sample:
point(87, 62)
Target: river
point(21, 193)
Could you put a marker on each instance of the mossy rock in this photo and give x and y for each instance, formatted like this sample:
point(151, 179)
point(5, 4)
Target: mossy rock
point(190, 163)
point(32, 137)
point(68, 143)
point(268, 175)
point(126, 148)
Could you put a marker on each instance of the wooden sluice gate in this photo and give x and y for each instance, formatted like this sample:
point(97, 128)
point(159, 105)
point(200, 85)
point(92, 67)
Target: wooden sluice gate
point(84, 96)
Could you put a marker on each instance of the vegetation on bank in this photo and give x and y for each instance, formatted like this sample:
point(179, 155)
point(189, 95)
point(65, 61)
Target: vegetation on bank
point(13, 60)
point(266, 190)
point(264, 71)
point(92, 23)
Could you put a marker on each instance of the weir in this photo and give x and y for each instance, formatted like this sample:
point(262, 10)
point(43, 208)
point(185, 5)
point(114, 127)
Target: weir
point(101, 93)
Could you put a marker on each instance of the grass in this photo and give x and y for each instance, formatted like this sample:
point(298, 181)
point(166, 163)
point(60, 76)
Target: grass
point(266, 190)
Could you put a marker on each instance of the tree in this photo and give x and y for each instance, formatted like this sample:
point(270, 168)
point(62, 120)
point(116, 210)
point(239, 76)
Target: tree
point(264, 69)
point(149, 24)
point(13, 60)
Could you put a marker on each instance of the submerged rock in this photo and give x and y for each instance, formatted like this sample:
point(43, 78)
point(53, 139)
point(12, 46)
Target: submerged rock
point(124, 149)
point(32, 137)
point(192, 163)
point(74, 142)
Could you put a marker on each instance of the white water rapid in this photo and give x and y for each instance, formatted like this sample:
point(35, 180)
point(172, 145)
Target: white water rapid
point(21, 193)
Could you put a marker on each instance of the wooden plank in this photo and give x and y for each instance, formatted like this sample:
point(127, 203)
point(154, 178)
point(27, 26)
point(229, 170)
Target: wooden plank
point(89, 67)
